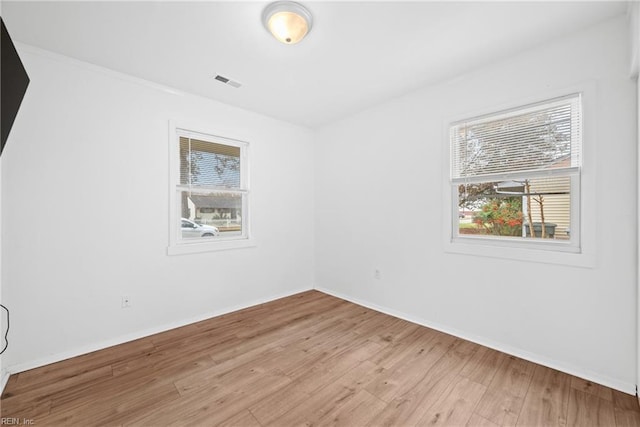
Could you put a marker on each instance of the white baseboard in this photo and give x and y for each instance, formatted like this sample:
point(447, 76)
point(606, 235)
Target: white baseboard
point(78, 351)
point(4, 378)
point(532, 357)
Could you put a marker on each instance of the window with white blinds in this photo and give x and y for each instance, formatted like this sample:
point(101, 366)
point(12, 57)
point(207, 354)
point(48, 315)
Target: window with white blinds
point(210, 189)
point(515, 174)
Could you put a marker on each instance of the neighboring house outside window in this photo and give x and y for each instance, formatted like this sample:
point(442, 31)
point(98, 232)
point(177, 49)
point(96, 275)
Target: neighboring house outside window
point(515, 176)
point(210, 192)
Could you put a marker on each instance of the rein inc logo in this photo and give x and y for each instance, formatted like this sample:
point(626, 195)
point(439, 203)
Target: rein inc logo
point(17, 421)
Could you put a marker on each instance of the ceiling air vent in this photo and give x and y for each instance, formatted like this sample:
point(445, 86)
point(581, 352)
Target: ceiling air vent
point(227, 81)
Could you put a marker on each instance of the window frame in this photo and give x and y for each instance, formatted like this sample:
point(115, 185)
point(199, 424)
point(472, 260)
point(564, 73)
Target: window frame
point(177, 245)
point(581, 252)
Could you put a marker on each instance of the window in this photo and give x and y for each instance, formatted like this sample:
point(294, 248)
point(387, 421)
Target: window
point(515, 176)
point(209, 192)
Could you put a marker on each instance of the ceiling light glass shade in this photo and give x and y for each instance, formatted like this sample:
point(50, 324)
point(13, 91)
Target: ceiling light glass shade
point(288, 21)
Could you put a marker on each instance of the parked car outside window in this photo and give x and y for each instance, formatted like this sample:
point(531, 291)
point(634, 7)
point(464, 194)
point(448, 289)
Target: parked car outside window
point(192, 229)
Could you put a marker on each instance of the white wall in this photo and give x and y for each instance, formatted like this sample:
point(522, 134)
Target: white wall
point(378, 194)
point(85, 213)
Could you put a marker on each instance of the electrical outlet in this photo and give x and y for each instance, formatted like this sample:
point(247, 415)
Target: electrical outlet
point(376, 274)
point(126, 301)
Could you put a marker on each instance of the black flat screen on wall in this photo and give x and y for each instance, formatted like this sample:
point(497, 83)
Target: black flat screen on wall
point(13, 84)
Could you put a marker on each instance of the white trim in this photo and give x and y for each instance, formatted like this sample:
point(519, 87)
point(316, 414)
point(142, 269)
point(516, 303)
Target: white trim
point(218, 245)
point(581, 252)
point(79, 351)
point(4, 380)
point(498, 346)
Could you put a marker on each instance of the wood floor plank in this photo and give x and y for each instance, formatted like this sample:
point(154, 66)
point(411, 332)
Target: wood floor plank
point(626, 409)
point(116, 409)
point(592, 388)
point(334, 401)
point(160, 361)
point(399, 350)
point(547, 400)
point(483, 365)
point(503, 400)
point(332, 368)
point(455, 406)
point(16, 401)
point(260, 360)
point(217, 327)
point(26, 409)
point(626, 418)
point(317, 407)
point(237, 399)
point(273, 407)
point(59, 374)
point(360, 376)
point(243, 419)
point(316, 341)
point(416, 364)
point(589, 410)
point(357, 411)
point(478, 421)
point(385, 328)
point(218, 402)
point(308, 359)
point(128, 395)
point(210, 342)
point(415, 402)
point(122, 388)
point(289, 334)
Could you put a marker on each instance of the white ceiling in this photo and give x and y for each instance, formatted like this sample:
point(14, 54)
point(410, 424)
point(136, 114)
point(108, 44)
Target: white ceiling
point(357, 54)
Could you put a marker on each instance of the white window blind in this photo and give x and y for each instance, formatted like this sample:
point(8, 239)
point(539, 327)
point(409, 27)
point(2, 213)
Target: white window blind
point(544, 137)
point(209, 165)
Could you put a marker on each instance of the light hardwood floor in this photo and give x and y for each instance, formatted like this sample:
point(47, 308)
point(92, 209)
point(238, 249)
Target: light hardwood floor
point(308, 359)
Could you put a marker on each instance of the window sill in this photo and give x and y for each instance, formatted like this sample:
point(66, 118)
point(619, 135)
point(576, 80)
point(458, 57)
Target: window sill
point(544, 253)
point(220, 245)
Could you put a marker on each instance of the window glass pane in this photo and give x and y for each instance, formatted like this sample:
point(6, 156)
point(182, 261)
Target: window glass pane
point(507, 208)
point(206, 215)
point(205, 163)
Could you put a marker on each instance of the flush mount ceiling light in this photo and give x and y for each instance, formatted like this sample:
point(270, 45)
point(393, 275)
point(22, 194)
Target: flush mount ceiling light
point(288, 21)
